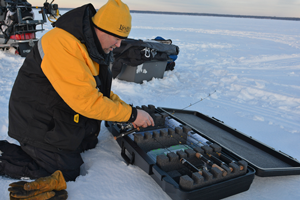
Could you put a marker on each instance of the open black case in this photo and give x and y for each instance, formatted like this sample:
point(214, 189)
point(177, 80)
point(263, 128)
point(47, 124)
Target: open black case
point(193, 156)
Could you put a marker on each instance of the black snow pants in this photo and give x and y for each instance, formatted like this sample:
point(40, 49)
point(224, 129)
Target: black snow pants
point(31, 162)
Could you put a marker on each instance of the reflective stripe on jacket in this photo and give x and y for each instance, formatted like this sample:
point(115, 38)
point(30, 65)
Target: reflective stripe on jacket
point(54, 102)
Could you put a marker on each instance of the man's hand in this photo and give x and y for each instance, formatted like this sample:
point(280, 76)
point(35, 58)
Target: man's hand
point(143, 119)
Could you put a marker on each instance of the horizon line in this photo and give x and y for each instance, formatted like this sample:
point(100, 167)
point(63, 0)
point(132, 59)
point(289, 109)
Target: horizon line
point(211, 14)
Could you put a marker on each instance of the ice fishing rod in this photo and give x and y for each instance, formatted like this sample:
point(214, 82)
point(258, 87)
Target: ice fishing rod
point(127, 133)
point(191, 104)
point(218, 161)
point(190, 166)
point(201, 157)
point(196, 140)
point(183, 161)
point(200, 100)
point(210, 163)
point(229, 160)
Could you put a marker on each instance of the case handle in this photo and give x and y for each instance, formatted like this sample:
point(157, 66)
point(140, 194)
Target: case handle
point(125, 157)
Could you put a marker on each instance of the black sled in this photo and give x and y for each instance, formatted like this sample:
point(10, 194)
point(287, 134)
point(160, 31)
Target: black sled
point(18, 25)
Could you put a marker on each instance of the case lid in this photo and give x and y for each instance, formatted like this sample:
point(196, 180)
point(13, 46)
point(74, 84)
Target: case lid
point(266, 160)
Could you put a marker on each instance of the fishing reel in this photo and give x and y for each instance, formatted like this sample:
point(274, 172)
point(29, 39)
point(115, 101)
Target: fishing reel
point(51, 10)
point(124, 126)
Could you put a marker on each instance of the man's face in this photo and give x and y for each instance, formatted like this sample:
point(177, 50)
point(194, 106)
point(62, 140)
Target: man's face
point(108, 42)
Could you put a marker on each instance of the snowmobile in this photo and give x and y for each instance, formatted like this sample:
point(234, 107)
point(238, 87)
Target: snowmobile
point(18, 25)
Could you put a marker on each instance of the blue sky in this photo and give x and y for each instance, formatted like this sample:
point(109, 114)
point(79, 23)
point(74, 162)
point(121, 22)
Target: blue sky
point(279, 8)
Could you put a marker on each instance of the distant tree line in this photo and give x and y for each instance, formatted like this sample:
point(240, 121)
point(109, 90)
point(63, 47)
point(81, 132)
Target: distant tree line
point(217, 15)
point(208, 14)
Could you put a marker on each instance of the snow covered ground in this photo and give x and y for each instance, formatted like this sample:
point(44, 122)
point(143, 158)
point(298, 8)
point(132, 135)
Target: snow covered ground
point(252, 64)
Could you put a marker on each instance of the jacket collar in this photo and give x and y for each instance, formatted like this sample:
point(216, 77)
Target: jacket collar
point(78, 22)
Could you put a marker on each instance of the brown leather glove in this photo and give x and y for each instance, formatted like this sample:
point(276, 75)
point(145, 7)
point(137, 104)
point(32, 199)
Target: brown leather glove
point(40, 189)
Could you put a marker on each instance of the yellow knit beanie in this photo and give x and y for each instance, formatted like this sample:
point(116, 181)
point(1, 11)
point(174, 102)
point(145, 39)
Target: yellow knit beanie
point(114, 18)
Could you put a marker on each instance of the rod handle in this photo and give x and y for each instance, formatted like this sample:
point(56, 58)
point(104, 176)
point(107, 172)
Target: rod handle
point(224, 173)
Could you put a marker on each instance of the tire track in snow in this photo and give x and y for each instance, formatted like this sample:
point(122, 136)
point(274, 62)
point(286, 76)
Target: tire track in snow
point(267, 112)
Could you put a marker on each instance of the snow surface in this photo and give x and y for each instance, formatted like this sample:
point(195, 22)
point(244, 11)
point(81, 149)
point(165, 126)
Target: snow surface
point(252, 64)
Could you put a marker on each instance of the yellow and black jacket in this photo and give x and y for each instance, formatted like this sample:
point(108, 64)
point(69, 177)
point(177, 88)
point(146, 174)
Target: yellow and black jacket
point(55, 102)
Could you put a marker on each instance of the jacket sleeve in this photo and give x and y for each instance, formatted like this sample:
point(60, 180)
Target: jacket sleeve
point(71, 72)
point(115, 97)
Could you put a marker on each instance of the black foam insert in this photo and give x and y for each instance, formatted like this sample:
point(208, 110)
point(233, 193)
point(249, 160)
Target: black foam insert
point(171, 163)
point(189, 180)
point(160, 138)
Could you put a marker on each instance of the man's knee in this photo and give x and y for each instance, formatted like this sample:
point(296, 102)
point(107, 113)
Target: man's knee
point(15, 163)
